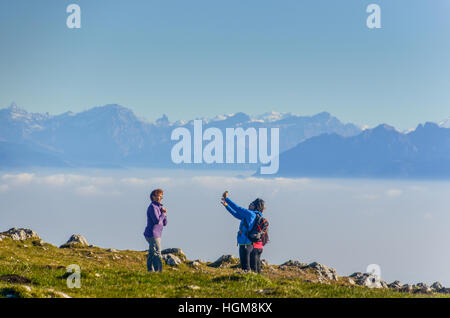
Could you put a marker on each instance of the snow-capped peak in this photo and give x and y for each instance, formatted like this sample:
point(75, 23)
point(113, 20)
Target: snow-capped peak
point(14, 109)
point(445, 123)
point(270, 116)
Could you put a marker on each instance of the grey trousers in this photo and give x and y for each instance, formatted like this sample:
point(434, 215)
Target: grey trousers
point(154, 263)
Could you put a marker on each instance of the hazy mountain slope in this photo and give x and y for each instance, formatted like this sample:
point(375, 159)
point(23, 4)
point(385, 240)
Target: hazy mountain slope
point(378, 152)
point(114, 135)
point(14, 155)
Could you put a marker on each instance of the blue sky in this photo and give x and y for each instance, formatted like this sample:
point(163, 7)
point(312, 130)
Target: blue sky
point(202, 58)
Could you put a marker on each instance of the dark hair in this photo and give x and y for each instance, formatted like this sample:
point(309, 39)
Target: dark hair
point(155, 192)
point(258, 204)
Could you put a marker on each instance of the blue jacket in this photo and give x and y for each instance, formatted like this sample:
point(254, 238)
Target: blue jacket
point(247, 218)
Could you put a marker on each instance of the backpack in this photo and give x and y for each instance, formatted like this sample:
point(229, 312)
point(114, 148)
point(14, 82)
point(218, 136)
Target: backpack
point(259, 232)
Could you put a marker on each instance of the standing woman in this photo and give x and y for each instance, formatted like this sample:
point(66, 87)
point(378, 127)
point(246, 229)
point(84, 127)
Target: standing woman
point(156, 220)
point(247, 217)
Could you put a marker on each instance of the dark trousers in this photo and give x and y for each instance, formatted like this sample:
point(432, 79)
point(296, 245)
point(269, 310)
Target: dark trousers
point(250, 258)
point(244, 255)
point(255, 259)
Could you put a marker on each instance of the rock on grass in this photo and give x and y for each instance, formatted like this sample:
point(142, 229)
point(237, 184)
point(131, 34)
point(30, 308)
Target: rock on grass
point(75, 240)
point(15, 279)
point(19, 234)
point(225, 261)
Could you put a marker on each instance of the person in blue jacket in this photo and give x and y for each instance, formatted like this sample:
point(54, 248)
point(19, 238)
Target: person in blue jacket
point(247, 217)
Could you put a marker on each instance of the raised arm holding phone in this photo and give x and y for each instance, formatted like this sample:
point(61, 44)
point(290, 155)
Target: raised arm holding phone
point(250, 247)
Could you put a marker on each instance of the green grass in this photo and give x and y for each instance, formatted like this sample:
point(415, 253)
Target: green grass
point(123, 274)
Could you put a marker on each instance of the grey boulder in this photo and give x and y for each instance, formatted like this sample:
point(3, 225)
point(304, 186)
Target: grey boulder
point(225, 261)
point(171, 259)
point(294, 263)
point(323, 271)
point(76, 240)
point(20, 234)
point(368, 280)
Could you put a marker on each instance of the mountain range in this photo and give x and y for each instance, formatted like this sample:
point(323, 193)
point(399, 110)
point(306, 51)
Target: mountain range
point(381, 152)
point(321, 145)
point(113, 136)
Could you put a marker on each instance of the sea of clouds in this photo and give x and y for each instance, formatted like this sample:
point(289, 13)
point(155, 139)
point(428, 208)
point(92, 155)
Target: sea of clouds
point(345, 223)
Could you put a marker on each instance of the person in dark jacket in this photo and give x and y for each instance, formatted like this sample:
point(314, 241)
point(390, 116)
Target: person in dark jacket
point(156, 220)
point(248, 254)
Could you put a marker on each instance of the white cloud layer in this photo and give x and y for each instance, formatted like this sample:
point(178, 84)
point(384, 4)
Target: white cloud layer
point(394, 192)
point(18, 179)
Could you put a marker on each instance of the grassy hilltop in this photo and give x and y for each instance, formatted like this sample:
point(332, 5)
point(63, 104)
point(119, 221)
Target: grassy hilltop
point(33, 268)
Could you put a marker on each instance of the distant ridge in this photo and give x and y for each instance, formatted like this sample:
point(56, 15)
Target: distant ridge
point(112, 135)
point(381, 152)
